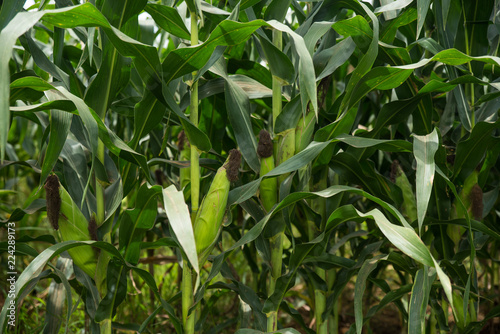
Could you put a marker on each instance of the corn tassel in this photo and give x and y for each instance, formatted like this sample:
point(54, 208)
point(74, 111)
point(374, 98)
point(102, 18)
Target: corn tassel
point(208, 221)
point(268, 187)
point(65, 215)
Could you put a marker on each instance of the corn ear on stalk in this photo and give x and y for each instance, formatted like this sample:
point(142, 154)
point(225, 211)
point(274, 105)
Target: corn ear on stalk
point(472, 197)
point(304, 132)
point(185, 155)
point(65, 216)
point(208, 221)
point(268, 187)
point(409, 200)
point(286, 149)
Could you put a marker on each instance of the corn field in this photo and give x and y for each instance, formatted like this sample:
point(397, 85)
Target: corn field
point(253, 166)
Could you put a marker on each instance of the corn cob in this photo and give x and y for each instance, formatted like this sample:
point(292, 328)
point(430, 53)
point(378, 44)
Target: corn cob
point(286, 149)
point(268, 187)
point(208, 221)
point(65, 216)
point(472, 197)
point(185, 155)
point(304, 132)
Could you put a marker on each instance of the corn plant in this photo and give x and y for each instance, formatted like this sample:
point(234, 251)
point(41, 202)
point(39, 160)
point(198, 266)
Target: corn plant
point(250, 166)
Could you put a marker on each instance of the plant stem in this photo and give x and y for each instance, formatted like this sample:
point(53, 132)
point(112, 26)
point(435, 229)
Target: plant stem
point(276, 262)
point(188, 321)
point(320, 306)
point(433, 322)
point(277, 41)
point(104, 257)
point(187, 298)
point(468, 52)
point(99, 188)
point(276, 242)
point(333, 319)
point(195, 158)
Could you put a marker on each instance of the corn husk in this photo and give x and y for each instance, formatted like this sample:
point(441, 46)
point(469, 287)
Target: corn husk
point(208, 222)
point(268, 190)
point(304, 132)
point(71, 223)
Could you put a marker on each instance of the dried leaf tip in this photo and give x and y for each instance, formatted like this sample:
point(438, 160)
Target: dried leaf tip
point(182, 140)
point(265, 148)
point(233, 165)
point(476, 198)
point(53, 200)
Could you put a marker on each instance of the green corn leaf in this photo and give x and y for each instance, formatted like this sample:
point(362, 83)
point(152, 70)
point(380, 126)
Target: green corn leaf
point(424, 149)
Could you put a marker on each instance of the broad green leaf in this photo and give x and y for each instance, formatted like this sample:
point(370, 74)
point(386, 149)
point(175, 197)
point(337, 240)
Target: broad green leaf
point(470, 152)
point(60, 122)
point(186, 60)
point(251, 87)
point(36, 266)
point(382, 78)
point(76, 175)
point(314, 33)
point(34, 83)
point(8, 10)
point(57, 293)
point(85, 113)
point(8, 36)
point(357, 28)
point(419, 300)
point(92, 296)
point(360, 286)
point(289, 116)
point(114, 71)
point(116, 280)
point(381, 144)
point(136, 221)
point(168, 18)
point(277, 10)
point(405, 18)
point(393, 5)
point(361, 173)
point(238, 110)
point(424, 149)
point(208, 8)
point(180, 221)
point(147, 114)
point(19, 213)
point(145, 58)
point(65, 105)
point(422, 9)
point(327, 61)
point(44, 62)
point(364, 64)
point(403, 238)
point(118, 12)
point(307, 77)
point(279, 64)
point(337, 128)
point(394, 112)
